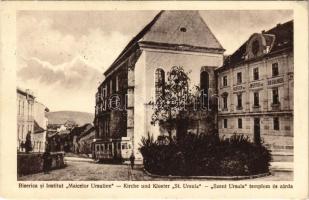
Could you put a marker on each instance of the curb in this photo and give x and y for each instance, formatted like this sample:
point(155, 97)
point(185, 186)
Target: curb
point(281, 170)
point(209, 177)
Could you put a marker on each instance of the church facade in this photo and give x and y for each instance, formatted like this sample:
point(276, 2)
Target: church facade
point(172, 38)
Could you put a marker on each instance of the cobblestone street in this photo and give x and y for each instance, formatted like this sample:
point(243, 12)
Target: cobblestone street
point(87, 170)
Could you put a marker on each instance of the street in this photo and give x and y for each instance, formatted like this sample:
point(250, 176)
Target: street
point(88, 170)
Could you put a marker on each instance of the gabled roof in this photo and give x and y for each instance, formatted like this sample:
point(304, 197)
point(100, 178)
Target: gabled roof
point(81, 129)
point(25, 92)
point(37, 128)
point(281, 37)
point(173, 28)
point(86, 132)
point(181, 27)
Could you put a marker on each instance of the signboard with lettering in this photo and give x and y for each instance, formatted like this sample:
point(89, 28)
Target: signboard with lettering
point(275, 81)
point(239, 87)
point(255, 85)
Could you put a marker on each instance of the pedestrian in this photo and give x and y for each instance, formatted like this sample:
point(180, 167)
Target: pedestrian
point(132, 158)
point(46, 161)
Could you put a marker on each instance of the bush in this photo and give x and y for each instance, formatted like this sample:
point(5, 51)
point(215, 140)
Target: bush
point(204, 155)
point(29, 163)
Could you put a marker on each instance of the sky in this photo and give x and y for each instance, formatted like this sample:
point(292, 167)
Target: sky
point(62, 55)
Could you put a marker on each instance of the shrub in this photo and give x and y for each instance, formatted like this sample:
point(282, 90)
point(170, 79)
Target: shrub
point(29, 163)
point(204, 155)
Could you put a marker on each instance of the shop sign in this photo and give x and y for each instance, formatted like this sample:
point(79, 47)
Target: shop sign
point(255, 85)
point(275, 81)
point(237, 88)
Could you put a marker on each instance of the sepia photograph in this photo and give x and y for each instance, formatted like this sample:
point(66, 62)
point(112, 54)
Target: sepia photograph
point(155, 95)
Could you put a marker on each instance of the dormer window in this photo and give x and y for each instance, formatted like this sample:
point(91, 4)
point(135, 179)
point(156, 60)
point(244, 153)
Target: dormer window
point(257, 46)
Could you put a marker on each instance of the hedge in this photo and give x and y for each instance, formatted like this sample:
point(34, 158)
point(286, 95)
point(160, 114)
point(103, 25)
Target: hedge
point(204, 155)
point(29, 163)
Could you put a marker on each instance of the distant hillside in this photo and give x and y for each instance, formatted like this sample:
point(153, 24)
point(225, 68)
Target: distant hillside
point(60, 117)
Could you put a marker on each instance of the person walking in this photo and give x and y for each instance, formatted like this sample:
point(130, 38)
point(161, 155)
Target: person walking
point(132, 158)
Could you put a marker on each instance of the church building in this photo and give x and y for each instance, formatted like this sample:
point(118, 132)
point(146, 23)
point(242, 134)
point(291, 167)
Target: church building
point(172, 38)
point(253, 87)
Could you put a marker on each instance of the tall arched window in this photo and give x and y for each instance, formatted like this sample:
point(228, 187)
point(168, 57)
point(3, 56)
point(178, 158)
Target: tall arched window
point(204, 85)
point(159, 82)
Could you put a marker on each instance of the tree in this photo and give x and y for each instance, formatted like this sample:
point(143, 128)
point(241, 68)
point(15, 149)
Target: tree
point(28, 144)
point(175, 101)
point(70, 124)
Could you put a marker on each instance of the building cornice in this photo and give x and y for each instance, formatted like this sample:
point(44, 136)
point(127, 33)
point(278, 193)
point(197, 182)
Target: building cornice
point(179, 48)
point(234, 114)
point(23, 92)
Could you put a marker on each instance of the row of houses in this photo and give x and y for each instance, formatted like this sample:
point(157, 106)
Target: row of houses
point(253, 86)
point(32, 120)
point(69, 137)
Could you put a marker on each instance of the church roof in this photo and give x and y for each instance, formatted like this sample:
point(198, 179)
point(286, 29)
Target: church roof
point(181, 27)
point(172, 29)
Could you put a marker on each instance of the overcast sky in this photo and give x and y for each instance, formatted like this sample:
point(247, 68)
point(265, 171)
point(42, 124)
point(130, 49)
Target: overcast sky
point(62, 54)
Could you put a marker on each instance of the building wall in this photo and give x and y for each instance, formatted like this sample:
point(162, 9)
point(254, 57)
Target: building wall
point(144, 83)
point(111, 123)
point(39, 114)
point(28, 111)
point(25, 121)
point(39, 139)
point(139, 112)
point(84, 143)
point(277, 140)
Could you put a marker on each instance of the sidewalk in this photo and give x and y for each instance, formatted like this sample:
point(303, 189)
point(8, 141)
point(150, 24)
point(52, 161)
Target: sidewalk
point(76, 159)
point(282, 166)
point(274, 166)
